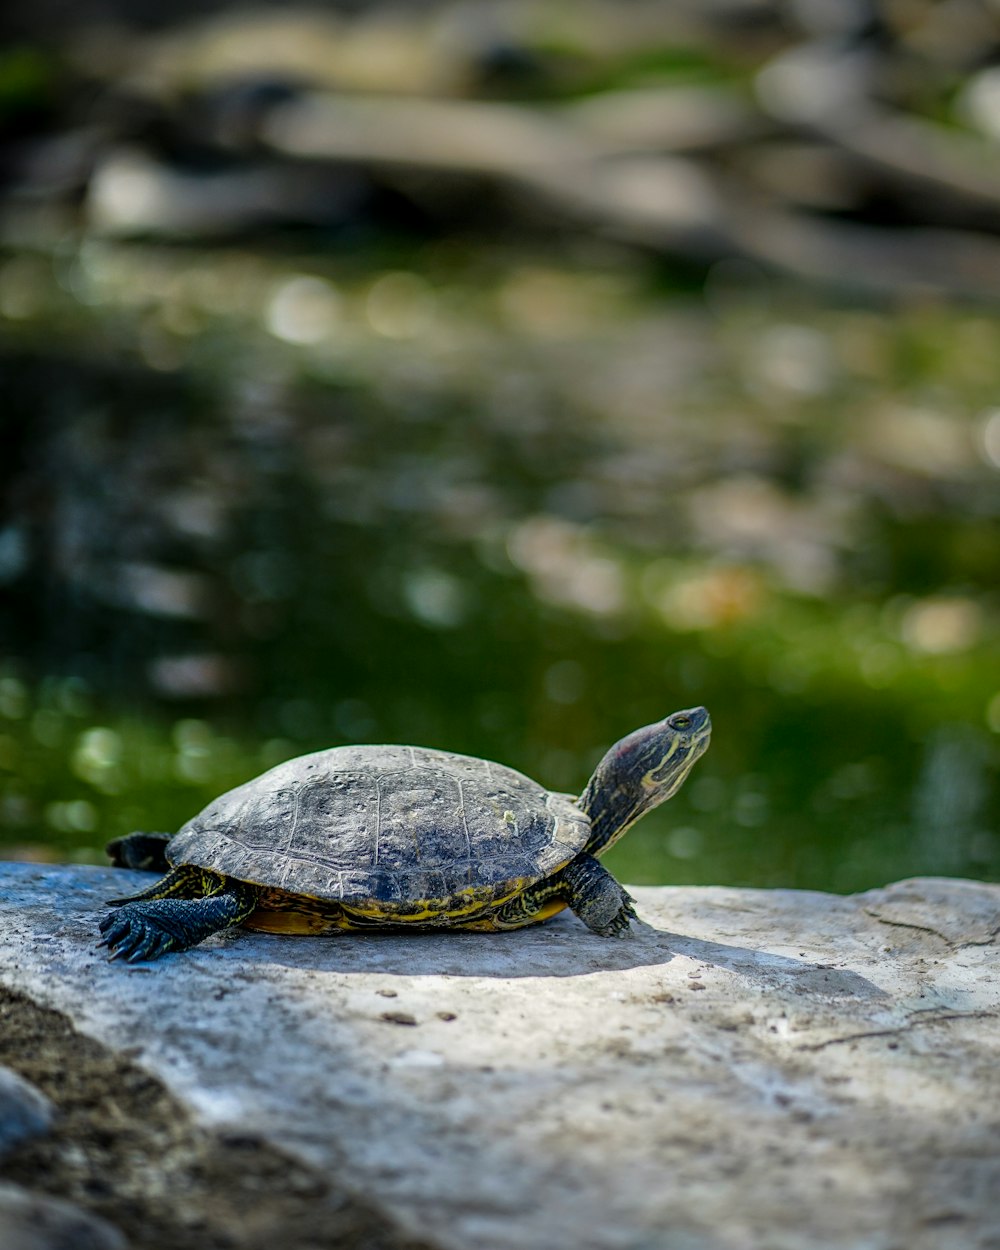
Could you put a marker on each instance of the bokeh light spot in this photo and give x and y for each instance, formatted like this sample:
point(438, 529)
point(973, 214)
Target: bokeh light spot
point(303, 310)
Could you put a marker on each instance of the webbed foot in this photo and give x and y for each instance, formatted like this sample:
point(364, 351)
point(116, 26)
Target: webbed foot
point(150, 928)
point(144, 931)
point(620, 924)
point(603, 905)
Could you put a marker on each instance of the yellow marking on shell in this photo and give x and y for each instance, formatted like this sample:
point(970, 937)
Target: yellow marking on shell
point(543, 913)
point(488, 923)
point(424, 910)
point(282, 912)
point(267, 921)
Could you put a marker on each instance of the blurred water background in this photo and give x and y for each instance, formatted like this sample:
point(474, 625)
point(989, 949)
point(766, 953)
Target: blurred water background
point(501, 377)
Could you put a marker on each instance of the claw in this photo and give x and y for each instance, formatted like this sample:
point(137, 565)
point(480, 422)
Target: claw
point(119, 936)
point(620, 926)
point(131, 936)
point(148, 947)
point(146, 928)
point(128, 949)
point(115, 927)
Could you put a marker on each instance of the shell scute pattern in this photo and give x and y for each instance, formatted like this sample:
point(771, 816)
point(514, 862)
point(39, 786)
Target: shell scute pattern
point(393, 825)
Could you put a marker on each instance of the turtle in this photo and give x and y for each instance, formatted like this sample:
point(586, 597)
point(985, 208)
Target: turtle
point(363, 837)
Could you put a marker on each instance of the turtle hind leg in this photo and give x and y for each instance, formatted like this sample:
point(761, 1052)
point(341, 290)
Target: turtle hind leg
point(140, 850)
point(185, 881)
point(149, 928)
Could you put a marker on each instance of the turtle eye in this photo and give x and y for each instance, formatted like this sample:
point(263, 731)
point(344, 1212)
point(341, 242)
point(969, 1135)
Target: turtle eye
point(681, 722)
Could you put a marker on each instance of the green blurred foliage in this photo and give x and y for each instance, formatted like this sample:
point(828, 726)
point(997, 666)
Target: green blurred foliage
point(510, 506)
point(437, 465)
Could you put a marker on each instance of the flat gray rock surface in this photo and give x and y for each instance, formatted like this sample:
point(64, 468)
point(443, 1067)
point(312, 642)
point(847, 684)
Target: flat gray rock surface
point(754, 1068)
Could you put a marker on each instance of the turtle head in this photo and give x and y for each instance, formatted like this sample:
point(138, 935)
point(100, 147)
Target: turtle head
point(641, 771)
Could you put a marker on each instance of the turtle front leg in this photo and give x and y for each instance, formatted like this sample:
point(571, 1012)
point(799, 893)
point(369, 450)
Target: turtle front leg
point(586, 886)
point(148, 929)
point(596, 897)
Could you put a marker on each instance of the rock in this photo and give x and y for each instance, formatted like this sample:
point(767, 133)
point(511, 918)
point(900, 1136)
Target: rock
point(30, 1221)
point(35, 1222)
point(24, 1110)
point(753, 1067)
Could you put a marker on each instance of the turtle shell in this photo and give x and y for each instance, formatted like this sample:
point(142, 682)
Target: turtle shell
point(385, 828)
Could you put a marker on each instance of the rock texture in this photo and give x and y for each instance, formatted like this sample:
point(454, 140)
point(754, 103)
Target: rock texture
point(30, 1221)
point(33, 1222)
point(24, 1110)
point(753, 1068)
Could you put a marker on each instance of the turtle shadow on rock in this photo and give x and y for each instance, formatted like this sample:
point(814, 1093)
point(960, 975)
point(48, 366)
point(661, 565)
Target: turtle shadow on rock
point(562, 947)
point(764, 969)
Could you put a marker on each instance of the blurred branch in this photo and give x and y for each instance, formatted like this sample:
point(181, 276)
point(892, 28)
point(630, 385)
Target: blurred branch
point(588, 159)
point(830, 95)
point(824, 164)
point(470, 136)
